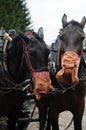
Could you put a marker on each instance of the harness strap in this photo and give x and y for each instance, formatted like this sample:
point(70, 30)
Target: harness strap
point(5, 54)
point(59, 54)
point(27, 56)
point(7, 38)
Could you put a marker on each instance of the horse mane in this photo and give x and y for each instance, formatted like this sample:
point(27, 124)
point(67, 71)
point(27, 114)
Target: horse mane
point(17, 44)
point(40, 39)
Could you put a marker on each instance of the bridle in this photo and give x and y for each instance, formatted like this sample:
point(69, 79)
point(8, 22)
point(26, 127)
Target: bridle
point(27, 58)
point(28, 61)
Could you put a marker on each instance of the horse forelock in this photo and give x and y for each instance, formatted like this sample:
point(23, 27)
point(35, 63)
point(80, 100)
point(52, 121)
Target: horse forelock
point(74, 23)
point(34, 37)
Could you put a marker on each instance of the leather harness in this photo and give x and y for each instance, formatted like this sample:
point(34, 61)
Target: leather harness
point(3, 54)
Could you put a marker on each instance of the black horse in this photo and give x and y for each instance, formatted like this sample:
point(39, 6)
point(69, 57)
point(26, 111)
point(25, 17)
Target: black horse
point(20, 60)
point(70, 79)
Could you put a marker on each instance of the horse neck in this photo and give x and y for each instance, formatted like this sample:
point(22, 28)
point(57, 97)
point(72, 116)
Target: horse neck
point(15, 64)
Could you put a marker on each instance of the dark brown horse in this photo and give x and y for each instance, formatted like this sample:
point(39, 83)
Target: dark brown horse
point(69, 93)
point(26, 57)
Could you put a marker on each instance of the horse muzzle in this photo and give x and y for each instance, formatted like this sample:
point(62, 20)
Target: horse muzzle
point(68, 75)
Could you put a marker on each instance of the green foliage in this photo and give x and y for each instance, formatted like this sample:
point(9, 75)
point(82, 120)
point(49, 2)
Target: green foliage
point(14, 14)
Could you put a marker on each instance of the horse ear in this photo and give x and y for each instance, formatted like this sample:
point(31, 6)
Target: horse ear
point(23, 36)
point(83, 21)
point(41, 32)
point(64, 20)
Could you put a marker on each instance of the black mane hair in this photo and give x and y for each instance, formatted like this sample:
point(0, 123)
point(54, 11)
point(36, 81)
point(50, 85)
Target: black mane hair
point(40, 39)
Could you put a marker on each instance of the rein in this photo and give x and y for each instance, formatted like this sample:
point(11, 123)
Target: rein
point(61, 89)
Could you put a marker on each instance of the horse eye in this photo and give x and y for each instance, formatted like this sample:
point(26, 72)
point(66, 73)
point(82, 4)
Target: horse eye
point(32, 51)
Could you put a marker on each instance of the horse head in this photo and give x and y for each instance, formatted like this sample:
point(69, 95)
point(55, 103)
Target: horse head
point(71, 49)
point(36, 55)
